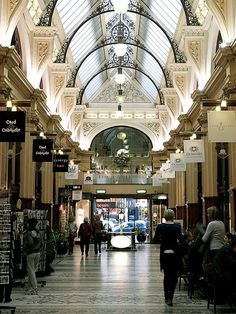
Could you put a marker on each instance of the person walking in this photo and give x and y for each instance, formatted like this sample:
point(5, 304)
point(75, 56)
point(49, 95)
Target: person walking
point(85, 232)
point(97, 234)
point(169, 234)
point(32, 246)
point(215, 232)
point(72, 233)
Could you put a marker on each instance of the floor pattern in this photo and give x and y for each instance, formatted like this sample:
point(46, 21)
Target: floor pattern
point(110, 283)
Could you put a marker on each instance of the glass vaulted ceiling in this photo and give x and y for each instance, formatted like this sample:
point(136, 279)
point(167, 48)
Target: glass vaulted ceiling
point(74, 12)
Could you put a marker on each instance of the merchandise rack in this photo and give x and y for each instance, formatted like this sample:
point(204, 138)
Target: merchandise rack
point(5, 248)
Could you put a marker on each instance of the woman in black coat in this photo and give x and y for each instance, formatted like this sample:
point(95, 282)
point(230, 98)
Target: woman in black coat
point(169, 234)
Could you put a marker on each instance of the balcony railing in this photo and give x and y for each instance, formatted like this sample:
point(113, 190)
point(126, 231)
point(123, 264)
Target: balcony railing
point(123, 178)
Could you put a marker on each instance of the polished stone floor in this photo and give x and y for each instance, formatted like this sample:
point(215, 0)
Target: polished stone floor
point(112, 283)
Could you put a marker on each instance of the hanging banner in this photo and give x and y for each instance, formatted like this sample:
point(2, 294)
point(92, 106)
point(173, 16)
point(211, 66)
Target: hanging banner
point(221, 126)
point(60, 163)
point(42, 150)
point(88, 178)
point(12, 126)
point(72, 173)
point(167, 173)
point(194, 151)
point(177, 162)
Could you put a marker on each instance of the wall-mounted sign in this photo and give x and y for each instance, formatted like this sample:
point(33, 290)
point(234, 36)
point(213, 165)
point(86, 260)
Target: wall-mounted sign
point(194, 151)
point(177, 162)
point(42, 150)
point(60, 163)
point(221, 126)
point(88, 178)
point(72, 173)
point(12, 126)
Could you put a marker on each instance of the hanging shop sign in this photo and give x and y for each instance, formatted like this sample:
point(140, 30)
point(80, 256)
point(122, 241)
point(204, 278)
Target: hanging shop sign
point(72, 173)
point(167, 172)
point(177, 162)
point(194, 151)
point(12, 126)
point(60, 163)
point(88, 178)
point(221, 126)
point(42, 150)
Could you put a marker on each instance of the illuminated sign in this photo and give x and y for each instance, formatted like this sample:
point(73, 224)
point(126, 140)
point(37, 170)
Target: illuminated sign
point(121, 242)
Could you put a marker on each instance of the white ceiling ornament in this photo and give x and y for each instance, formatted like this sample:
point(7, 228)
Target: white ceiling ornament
point(131, 92)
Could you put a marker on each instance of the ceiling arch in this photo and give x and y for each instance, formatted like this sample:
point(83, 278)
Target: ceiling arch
point(104, 43)
point(178, 56)
point(107, 67)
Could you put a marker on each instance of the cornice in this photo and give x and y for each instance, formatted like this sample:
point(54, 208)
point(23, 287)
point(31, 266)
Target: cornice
point(40, 31)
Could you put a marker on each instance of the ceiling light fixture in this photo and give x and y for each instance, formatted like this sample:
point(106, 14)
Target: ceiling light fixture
point(120, 97)
point(120, 6)
point(120, 48)
point(120, 77)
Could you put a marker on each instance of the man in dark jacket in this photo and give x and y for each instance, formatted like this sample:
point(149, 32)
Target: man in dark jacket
point(32, 246)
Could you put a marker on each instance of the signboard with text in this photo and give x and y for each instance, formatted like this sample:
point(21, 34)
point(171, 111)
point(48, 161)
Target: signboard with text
point(221, 126)
point(194, 151)
point(60, 163)
point(42, 150)
point(12, 126)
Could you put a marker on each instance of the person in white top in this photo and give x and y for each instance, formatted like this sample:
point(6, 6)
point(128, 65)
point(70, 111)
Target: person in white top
point(215, 232)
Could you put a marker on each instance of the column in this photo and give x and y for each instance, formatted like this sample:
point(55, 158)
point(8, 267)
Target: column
point(193, 210)
point(27, 166)
point(180, 196)
point(209, 177)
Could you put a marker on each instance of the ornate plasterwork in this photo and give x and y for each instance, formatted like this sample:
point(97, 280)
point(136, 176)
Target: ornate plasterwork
point(194, 48)
point(153, 126)
point(171, 102)
point(69, 102)
point(164, 118)
point(180, 82)
point(89, 126)
point(131, 92)
point(76, 119)
point(43, 49)
point(59, 81)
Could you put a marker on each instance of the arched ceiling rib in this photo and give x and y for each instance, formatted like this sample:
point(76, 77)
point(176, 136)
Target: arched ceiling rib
point(153, 22)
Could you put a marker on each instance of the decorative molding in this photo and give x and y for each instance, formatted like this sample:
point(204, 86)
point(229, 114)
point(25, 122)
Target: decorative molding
point(171, 103)
point(13, 4)
point(221, 4)
point(180, 82)
point(69, 102)
point(153, 126)
point(59, 81)
point(76, 119)
point(44, 31)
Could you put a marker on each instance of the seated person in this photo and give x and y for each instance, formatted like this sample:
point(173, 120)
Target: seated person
point(223, 271)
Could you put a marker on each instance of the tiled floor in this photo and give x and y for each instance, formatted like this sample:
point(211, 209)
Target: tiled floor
point(112, 283)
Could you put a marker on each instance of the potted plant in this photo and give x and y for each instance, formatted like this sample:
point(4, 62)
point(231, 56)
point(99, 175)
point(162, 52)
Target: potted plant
point(61, 242)
point(141, 235)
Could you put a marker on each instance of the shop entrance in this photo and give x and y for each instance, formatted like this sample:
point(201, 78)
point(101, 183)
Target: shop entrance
point(124, 214)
